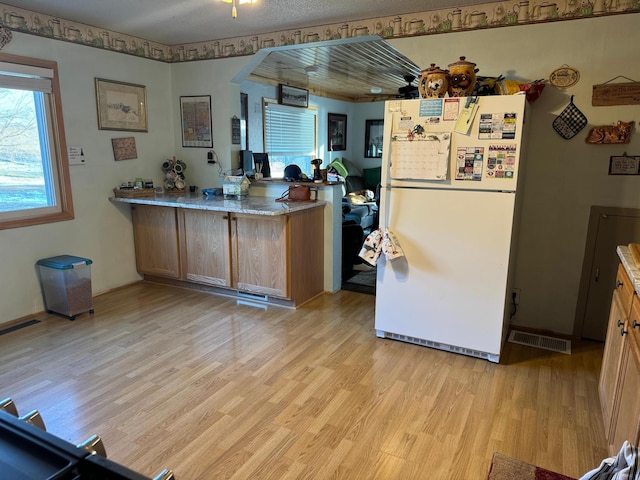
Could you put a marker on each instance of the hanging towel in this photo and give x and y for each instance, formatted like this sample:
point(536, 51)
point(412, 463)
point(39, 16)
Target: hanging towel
point(380, 242)
point(372, 247)
point(390, 245)
point(625, 466)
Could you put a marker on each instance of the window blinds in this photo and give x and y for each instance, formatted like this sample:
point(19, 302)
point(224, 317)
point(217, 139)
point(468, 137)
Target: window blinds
point(289, 129)
point(25, 77)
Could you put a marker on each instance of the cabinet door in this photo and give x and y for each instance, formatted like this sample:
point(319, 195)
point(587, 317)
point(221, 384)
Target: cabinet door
point(626, 421)
point(259, 253)
point(206, 247)
point(155, 231)
point(611, 360)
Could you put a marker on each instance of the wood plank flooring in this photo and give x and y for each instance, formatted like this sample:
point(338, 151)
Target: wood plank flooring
point(215, 390)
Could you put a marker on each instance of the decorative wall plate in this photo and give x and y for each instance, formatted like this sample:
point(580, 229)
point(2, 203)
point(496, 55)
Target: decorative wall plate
point(563, 77)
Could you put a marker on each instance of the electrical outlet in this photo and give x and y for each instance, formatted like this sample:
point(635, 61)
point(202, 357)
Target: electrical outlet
point(515, 294)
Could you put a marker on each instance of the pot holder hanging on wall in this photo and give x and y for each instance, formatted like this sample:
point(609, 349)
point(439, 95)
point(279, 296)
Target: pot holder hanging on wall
point(570, 121)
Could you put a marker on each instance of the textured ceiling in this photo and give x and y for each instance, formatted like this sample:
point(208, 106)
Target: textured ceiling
point(342, 69)
point(173, 22)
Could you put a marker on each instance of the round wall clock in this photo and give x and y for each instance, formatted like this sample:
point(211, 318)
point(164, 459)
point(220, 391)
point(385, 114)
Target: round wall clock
point(563, 77)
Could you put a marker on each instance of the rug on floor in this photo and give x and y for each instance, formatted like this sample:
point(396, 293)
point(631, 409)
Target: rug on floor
point(507, 468)
point(362, 281)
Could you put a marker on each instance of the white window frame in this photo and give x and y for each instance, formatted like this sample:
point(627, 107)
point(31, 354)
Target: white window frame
point(58, 166)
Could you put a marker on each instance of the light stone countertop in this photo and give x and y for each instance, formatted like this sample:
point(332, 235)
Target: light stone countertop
point(630, 266)
point(248, 205)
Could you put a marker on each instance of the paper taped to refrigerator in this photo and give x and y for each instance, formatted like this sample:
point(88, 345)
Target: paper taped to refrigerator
point(420, 157)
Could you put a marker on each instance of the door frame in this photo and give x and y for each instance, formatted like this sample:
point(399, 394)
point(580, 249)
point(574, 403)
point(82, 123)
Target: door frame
point(587, 262)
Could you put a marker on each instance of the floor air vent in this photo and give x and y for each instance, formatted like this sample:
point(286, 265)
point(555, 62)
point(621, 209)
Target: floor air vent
point(540, 341)
point(13, 328)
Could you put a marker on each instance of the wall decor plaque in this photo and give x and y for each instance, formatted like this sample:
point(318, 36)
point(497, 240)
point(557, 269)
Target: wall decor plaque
point(564, 77)
point(627, 93)
point(124, 148)
point(618, 133)
point(624, 165)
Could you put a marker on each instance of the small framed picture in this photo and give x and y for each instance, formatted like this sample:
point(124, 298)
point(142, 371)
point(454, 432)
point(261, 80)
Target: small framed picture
point(293, 96)
point(124, 148)
point(337, 134)
point(624, 165)
point(235, 130)
point(121, 106)
point(195, 115)
point(373, 134)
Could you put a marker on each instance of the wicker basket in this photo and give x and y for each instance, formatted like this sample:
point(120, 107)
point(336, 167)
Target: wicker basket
point(133, 192)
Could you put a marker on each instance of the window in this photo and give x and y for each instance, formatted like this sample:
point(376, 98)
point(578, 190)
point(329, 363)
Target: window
point(34, 174)
point(290, 137)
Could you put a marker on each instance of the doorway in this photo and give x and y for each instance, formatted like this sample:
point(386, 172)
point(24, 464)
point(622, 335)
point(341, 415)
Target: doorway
point(357, 276)
point(608, 228)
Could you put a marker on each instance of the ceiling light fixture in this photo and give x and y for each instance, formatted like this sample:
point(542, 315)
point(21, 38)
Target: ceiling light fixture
point(375, 90)
point(234, 9)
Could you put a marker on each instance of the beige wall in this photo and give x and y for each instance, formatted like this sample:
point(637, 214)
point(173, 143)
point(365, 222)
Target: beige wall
point(563, 178)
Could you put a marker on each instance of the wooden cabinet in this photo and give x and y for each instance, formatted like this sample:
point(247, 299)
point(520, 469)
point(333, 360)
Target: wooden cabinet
point(612, 359)
point(279, 256)
point(259, 249)
point(620, 375)
point(205, 249)
point(155, 232)
point(625, 424)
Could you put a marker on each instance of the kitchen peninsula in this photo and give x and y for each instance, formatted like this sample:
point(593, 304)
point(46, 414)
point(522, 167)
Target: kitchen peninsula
point(253, 248)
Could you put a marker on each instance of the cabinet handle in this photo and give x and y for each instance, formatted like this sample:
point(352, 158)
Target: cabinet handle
point(619, 284)
point(635, 324)
point(623, 332)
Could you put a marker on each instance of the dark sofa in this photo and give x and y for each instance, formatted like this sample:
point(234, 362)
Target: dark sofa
point(364, 214)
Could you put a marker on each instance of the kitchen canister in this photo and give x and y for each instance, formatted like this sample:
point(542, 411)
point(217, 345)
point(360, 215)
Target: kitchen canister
point(433, 82)
point(462, 78)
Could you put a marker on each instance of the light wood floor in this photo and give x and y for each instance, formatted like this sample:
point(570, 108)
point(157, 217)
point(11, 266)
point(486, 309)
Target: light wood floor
point(215, 390)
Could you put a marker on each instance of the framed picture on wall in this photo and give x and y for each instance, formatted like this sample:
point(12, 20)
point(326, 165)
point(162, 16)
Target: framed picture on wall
point(121, 106)
point(373, 134)
point(337, 134)
point(293, 96)
point(195, 116)
point(244, 117)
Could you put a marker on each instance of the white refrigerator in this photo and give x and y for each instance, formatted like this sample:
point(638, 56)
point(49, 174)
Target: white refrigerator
point(450, 176)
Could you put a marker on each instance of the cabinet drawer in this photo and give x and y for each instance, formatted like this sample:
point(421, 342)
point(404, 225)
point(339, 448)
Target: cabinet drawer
point(625, 289)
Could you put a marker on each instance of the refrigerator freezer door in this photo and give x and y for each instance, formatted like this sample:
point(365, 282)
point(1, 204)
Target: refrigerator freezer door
point(450, 288)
